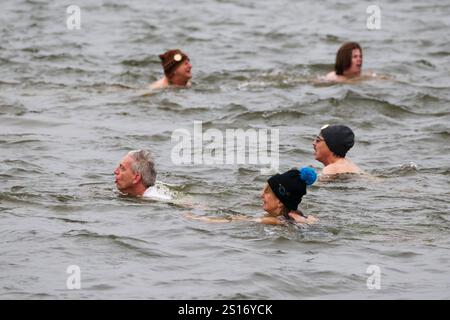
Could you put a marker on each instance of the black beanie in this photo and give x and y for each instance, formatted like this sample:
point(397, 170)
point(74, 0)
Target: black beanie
point(290, 186)
point(339, 138)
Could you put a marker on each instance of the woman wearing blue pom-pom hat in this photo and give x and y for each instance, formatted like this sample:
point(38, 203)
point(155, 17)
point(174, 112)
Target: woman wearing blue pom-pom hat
point(281, 196)
point(284, 192)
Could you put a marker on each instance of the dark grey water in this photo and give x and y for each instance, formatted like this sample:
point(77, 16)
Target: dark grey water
point(71, 106)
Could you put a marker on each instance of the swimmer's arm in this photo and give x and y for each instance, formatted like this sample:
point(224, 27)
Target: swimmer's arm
point(265, 220)
point(268, 220)
point(206, 219)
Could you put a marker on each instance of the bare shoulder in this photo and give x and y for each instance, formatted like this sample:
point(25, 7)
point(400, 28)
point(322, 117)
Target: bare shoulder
point(342, 166)
point(331, 76)
point(160, 84)
point(330, 170)
point(269, 220)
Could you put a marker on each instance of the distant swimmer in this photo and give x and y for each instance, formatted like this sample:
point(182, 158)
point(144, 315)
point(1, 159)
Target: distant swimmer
point(177, 70)
point(281, 196)
point(331, 146)
point(136, 176)
point(348, 66)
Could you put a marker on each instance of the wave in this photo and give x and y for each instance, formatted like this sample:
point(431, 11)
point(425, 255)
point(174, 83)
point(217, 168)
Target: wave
point(406, 169)
point(144, 62)
point(390, 108)
point(440, 54)
point(268, 115)
point(128, 243)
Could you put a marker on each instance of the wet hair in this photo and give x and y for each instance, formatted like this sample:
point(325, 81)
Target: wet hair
point(144, 165)
point(344, 57)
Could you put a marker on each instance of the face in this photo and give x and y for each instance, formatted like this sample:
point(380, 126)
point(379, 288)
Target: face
point(356, 66)
point(271, 204)
point(184, 69)
point(321, 150)
point(125, 177)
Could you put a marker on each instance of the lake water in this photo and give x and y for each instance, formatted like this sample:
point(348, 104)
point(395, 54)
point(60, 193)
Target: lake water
point(71, 105)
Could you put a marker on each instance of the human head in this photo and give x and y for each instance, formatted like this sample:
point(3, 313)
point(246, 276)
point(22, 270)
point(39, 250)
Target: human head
point(135, 173)
point(348, 58)
point(284, 192)
point(176, 64)
point(337, 139)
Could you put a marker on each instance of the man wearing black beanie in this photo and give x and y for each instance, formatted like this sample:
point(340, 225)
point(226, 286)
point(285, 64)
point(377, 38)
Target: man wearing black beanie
point(331, 146)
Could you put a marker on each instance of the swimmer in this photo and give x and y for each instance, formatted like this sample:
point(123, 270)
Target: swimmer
point(177, 70)
point(330, 148)
point(348, 66)
point(136, 176)
point(281, 196)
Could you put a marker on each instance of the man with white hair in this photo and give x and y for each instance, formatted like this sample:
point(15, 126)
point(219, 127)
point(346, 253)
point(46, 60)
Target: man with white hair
point(136, 175)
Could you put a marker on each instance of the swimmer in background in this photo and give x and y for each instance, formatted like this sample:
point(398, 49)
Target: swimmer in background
point(177, 70)
point(281, 196)
point(348, 66)
point(136, 176)
point(331, 147)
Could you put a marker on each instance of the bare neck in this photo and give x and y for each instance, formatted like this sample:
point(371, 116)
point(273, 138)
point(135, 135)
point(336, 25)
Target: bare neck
point(331, 159)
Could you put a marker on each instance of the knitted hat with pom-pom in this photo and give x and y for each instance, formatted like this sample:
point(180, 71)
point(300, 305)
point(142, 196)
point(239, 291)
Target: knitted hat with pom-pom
point(290, 186)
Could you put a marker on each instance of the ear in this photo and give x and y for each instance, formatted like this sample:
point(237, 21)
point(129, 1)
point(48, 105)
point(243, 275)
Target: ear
point(137, 178)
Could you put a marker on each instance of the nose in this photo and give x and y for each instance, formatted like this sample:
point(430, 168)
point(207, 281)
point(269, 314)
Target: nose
point(116, 171)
